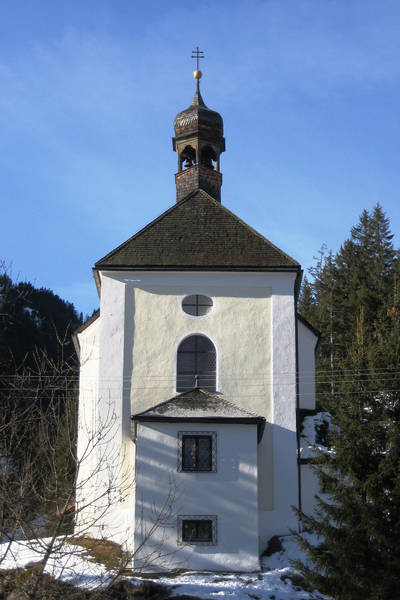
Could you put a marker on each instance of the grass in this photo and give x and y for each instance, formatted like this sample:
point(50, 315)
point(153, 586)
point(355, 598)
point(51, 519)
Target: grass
point(18, 584)
point(106, 553)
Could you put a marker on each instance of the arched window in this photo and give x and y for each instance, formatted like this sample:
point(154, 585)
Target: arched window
point(196, 360)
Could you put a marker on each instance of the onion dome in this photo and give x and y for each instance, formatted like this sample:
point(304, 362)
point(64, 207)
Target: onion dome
point(198, 117)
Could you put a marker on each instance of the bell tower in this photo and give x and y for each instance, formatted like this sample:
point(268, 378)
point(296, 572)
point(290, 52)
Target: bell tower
point(199, 143)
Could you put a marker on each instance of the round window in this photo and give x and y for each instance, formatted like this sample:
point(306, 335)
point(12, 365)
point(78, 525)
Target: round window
point(197, 305)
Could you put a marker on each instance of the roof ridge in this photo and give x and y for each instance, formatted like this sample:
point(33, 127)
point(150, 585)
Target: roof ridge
point(261, 251)
point(222, 399)
point(170, 399)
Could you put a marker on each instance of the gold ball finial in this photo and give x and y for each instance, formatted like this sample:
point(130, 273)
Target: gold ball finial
point(197, 74)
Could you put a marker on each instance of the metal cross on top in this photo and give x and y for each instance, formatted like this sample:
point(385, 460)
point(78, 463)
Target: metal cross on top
point(197, 54)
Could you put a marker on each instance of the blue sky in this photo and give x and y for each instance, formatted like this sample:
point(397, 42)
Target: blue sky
point(309, 91)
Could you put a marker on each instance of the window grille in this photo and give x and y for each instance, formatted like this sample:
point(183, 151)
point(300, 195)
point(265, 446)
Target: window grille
point(199, 530)
point(197, 451)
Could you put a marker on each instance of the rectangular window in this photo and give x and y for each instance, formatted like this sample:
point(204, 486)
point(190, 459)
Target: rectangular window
point(197, 451)
point(199, 530)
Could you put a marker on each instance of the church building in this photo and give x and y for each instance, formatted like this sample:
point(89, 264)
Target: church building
point(193, 375)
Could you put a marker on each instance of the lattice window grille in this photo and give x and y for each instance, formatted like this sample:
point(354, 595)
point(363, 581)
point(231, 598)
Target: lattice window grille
point(206, 464)
point(190, 525)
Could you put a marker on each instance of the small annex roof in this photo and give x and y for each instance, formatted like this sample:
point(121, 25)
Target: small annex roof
point(307, 324)
point(88, 322)
point(198, 405)
point(197, 233)
point(81, 328)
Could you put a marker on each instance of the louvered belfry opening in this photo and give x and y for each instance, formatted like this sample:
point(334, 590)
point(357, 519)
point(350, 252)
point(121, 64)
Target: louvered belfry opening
point(196, 364)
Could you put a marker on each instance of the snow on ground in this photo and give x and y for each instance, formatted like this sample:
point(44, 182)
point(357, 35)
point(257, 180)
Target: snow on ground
point(248, 586)
point(69, 563)
point(273, 583)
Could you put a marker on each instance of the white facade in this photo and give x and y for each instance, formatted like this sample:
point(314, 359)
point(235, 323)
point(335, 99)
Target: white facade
point(230, 495)
point(128, 365)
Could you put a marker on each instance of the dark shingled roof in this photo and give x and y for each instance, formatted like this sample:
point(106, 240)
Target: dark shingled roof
point(197, 233)
point(198, 405)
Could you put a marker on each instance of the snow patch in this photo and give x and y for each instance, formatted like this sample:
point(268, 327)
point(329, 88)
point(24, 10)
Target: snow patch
point(70, 564)
point(310, 443)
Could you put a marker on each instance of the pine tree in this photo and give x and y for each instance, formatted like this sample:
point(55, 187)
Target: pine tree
point(31, 319)
point(359, 525)
point(307, 302)
point(364, 272)
point(358, 278)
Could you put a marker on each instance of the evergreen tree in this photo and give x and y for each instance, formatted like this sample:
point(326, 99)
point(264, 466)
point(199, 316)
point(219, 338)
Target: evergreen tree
point(359, 522)
point(31, 319)
point(307, 303)
point(358, 278)
point(359, 525)
point(364, 271)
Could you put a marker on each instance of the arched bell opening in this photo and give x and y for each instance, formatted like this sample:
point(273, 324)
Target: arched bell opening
point(208, 157)
point(187, 158)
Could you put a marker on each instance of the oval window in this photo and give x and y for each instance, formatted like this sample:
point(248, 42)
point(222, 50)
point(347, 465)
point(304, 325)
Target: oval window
point(197, 305)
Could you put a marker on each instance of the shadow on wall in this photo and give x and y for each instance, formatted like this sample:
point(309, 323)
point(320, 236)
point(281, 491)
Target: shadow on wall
point(230, 495)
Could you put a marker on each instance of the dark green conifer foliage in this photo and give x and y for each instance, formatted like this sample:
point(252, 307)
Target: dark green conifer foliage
point(32, 318)
point(38, 380)
point(360, 523)
point(359, 277)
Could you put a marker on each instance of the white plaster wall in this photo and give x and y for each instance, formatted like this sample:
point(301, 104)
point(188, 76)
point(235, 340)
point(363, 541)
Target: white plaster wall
point(114, 448)
point(252, 327)
point(87, 410)
point(252, 319)
point(239, 326)
point(307, 341)
point(230, 494)
point(276, 515)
